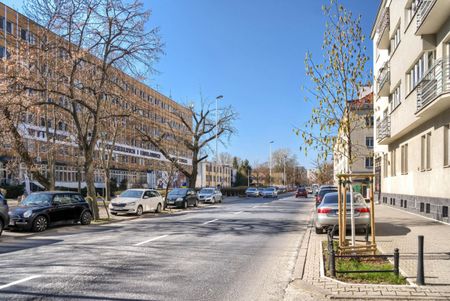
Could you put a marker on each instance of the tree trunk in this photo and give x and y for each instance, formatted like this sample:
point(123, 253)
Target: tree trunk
point(90, 183)
point(193, 176)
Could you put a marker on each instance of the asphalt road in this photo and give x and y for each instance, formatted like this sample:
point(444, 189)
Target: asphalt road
point(243, 249)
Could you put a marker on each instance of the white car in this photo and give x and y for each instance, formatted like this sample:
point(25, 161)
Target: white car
point(137, 201)
point(269, 192)
point(210, 195)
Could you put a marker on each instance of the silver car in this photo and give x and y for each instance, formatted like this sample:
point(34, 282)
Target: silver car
point(210, 195)
point(252, 191)
point(326, 214)
point(269, 192)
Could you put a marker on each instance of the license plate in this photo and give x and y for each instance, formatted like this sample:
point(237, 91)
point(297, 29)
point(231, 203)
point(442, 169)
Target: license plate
point(12, 223)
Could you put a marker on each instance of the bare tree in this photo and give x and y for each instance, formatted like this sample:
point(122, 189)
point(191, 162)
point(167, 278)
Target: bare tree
point(200, 129)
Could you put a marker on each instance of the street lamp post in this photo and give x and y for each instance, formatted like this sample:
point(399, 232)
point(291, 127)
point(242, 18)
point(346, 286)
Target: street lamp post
point(270, 163)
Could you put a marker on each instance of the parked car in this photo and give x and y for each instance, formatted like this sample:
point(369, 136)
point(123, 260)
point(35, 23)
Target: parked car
point(4, 217)
point(137, 201)
point(301, 192)
point(326, 214)
point(269, 192)
point(182, 198)
point(40, 209)
point(309, 189)
point(252, 192)
point(210, 195)
point(323, 191)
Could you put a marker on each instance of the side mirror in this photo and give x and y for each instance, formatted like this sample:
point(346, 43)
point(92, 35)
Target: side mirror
point(146, 197)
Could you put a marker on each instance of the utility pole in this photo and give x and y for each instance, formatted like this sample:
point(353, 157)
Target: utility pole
point(270, 163)
point(284, 171)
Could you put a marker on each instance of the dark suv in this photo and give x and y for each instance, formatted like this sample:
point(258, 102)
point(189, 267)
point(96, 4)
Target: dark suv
point(38, 210)
point(182, 198)
point(4, 218)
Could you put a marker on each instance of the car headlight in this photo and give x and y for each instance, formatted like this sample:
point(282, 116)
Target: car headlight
point(27, 213)
point(131, 204)
point(179, 199)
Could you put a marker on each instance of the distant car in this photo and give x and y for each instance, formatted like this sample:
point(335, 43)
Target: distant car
point(210, 195)
point(40, 209)
point(301, 192)
point(182, 198)
point(4, 217)
point(269, 192)
point(309, 189)
point(252, 192)
point(137, 201)
point(326, 214)
point(323, 191)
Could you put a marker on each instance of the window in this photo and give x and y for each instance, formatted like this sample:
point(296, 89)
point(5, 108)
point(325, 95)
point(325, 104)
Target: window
point(444, 211)
point(404, 158)
point(369, 142)
point(410, 11)
point(422, 207)
point(405, 203)
point(427, 208)
point(369, 121)
point(385, 165)
point(393, 171)
point(425, 154)
point(418, 70)
point(446, 145)
point(394, 98)
point(23, 34)
point(395, 40)
point(9, 27)
point(2, 22)
point(369, 162)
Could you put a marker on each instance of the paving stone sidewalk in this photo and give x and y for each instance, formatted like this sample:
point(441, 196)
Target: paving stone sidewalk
point(396, 229)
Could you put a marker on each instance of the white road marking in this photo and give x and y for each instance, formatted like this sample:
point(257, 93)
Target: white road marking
point(151, 239)
point(238, 212)
point(19, 281)
point(211, 221)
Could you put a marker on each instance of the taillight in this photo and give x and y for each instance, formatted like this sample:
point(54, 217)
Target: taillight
point(323, 210)
point(363, 210)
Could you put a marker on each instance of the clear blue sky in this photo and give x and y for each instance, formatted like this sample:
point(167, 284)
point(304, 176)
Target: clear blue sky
point(251, 52)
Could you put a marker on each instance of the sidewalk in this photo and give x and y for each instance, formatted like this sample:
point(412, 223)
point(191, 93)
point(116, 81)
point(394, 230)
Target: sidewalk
point(395, 229)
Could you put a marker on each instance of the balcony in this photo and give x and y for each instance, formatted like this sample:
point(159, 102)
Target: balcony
point(384, 129)
point(433, 91)
point(383, 80)
point(431, 16)
point(383, 30)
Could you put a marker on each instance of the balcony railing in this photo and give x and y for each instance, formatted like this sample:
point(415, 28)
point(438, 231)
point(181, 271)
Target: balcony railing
point(435, 82)
point(383, 23)
point(384, 129)
point(423, 8)
point(384, 76)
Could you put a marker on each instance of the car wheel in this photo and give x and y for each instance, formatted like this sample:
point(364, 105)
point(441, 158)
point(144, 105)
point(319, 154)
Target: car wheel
point(158, 208)
point(86, 218)
point(139, 210)
point(40, 223)
point(319, 231)
point(1, 226)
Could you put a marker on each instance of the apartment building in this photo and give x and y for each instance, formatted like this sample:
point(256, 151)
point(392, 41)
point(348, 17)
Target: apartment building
point(211, 174)
point(362, 141)
point(134, 160)
point(411, 50)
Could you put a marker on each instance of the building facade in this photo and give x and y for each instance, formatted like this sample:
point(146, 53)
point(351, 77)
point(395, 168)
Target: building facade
point(411, 50)
point(212, 174)
point(362, 141)
point(134, 160)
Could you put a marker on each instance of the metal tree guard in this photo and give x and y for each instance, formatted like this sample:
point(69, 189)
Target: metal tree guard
point(344, 180)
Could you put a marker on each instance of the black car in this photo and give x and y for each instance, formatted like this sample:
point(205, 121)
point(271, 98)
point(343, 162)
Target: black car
point(322, 192)
point(182, 198)
point(38, 210)
point(4, 217)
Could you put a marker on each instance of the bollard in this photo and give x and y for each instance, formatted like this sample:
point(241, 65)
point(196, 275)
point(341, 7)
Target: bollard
point(420, 280)
point(332, 264)
point(367, 234)
point(396, 262)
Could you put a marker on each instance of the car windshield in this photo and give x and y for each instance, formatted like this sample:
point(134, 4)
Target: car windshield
point(207, 191)
point(301, 189)
point(131, 194)
point(37, 199)
point(251, 189)
point(178, 191)
point(332, 199)
point(325, 191)
point(269, 189)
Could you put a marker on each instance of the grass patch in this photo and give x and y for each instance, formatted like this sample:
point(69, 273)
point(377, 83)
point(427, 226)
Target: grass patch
point(363, 264)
